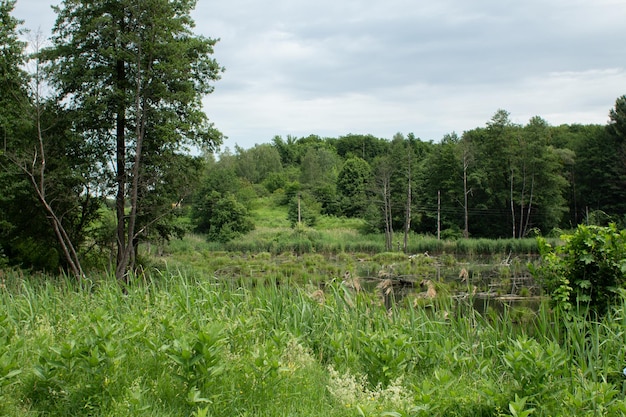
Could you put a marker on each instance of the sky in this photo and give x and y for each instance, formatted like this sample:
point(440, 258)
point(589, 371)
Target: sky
point(381, 67)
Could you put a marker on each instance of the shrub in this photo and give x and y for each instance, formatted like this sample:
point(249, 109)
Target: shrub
point(222, 217)
point(588, 270)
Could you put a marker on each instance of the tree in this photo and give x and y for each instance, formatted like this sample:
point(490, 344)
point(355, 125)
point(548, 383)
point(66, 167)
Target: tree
point(383, 172)
point(46, 171)
point(255, 164)
point(134, 74)
point(617, 119)
point(319, 165)
point(617, 131)
point(13, 100)
point(467, 160)
point(541, 181)
point(319, 171)
point(13, 79)
point(441, 190)
point(403, 153)
point(303, 209)
point(352, 183)
point(221, 216)
point(366, 147)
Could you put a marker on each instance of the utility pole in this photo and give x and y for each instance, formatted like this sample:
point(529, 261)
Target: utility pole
point(299, 212)
point(438, 214)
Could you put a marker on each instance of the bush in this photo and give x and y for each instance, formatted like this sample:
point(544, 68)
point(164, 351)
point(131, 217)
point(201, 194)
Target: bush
point(221, 217)
point(589, 270)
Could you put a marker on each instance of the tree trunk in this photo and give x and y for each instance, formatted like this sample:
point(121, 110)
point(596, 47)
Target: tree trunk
point(141, 103)
point(386, 194)
point(530, 204)
point(465, 194)
point(120, 178)
point(407, 216)
point(521, 202)
point(37, 175)
point(512, 205)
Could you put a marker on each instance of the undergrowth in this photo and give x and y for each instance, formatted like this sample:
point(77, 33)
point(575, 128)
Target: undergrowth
point(179, 344)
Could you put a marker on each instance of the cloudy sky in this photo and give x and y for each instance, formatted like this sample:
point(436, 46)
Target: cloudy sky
point(333, 67)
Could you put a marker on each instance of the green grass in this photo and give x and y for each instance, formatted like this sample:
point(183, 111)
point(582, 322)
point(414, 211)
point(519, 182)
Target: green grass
point(339, 234)
point(267, 214)
point(183, 344)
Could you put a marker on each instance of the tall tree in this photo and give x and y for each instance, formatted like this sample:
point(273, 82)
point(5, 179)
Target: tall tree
point(383, 172)
point(13, 102)
point(366, 147)
point(617, 119)
point(134, 74)
point(45, 179)
point(495, 154)
point(256, 163)
point(441, 188)
point(617, 130)
point(352, 183)
point(319, 170)
point(409, 190)
point(542, 179)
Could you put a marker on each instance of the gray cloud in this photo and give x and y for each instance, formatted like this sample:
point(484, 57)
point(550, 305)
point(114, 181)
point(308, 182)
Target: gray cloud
point(371, 66)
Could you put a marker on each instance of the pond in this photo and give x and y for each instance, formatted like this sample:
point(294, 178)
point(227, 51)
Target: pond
point(488, 285)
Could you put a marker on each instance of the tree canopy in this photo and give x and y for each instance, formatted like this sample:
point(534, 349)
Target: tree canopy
point(133, 74)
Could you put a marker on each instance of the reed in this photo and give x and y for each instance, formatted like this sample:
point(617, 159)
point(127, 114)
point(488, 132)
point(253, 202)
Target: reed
point(184, 343)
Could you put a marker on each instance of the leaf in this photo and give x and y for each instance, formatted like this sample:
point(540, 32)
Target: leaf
point(587, 258)
point(194, 397)
point(11, 374)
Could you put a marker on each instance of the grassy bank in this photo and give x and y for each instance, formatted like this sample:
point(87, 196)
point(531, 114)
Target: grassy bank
point(277, 240)
point(183, 344)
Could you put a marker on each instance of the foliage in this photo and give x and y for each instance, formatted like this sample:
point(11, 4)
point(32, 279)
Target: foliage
point(221, 216)
point(352, 183)
point(257, 163)
point(303, 209)
point(589, 270)
point(617, 119)
point(133, 75)
point(206, 345)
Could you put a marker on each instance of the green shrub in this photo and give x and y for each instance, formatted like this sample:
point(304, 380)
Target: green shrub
point(221, 217)
point(589, 270)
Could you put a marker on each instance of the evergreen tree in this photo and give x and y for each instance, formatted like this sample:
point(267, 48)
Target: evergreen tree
point(352, 186)
point(134, 75)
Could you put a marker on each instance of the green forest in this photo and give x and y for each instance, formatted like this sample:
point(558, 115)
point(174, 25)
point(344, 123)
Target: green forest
point(106, 146)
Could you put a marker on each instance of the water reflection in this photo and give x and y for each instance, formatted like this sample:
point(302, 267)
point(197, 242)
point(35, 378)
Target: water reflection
point(487, 286)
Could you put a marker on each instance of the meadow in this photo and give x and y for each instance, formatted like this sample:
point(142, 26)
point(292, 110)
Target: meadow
point(248, 334)
point(307, 322)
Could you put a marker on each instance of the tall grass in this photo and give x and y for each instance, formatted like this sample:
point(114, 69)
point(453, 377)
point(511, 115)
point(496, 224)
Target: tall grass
point(301, 240)
point(178, 344)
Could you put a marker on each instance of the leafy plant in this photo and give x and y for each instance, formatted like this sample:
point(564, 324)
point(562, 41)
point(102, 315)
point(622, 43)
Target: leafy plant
point(589, 270)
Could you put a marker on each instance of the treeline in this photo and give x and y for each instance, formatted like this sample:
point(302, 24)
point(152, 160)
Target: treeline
point(500, 181)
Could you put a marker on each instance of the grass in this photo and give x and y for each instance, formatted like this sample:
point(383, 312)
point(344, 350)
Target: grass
point(302, 240)
point(339, 234)
point(189, 343)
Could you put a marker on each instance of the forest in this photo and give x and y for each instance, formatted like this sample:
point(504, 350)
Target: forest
point(106, 147)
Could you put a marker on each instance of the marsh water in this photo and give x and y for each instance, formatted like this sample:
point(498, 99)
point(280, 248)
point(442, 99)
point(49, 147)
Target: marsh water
point(490, 285)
